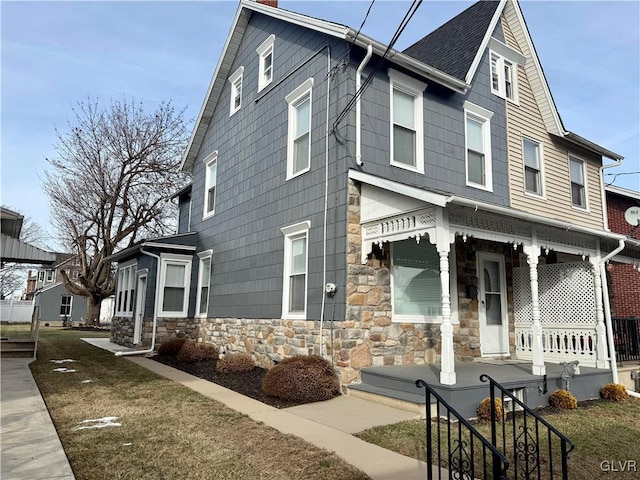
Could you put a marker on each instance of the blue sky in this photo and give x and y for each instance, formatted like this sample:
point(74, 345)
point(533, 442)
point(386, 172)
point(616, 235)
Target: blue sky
point(57, 53)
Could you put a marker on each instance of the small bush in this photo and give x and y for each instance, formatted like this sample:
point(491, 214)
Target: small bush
point(484, 409)
point(614, 392)
point(235, 363)
point(563, 400)
point(171, 348)
point(302, 379)
point(192, 352)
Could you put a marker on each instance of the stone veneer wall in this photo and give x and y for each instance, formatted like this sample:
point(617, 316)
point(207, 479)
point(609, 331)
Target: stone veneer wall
point(167, 329)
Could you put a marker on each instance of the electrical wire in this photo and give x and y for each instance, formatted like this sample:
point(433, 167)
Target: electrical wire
point(616, 175)
point(361, 25)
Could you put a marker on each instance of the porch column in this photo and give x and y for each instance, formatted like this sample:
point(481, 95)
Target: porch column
point(538, 367)
point(447, 356)
point(601, 338)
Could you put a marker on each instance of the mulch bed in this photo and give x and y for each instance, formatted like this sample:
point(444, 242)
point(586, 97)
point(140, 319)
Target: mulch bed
point(248, 384)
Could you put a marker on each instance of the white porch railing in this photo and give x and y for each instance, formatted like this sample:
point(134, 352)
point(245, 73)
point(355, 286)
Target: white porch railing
point(560, 343)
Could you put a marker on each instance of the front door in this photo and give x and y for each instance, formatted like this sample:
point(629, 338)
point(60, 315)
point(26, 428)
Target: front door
point(492, 305)
point(140, 301)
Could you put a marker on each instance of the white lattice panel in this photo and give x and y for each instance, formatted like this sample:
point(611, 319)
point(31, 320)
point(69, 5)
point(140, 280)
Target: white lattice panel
point(566, 293)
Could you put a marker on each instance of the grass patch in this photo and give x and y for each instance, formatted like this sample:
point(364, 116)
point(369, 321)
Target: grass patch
point(168, 431)
point(600, 430)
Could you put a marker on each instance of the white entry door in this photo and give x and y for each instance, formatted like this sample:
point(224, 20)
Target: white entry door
point(492, 305)
point(140, 301)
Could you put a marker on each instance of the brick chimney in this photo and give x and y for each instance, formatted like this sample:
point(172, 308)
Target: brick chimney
point(269, 3)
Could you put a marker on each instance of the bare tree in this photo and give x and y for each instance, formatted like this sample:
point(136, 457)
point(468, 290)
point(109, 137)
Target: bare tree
point(12, 275)
point(109, 183)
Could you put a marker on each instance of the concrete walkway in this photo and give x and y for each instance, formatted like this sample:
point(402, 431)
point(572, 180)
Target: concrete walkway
point(31, 449)
point(328, 425)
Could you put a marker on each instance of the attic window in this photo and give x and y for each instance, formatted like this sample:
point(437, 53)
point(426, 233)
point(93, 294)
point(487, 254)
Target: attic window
point(236, 91)
point(503, 77)
point(265, 55)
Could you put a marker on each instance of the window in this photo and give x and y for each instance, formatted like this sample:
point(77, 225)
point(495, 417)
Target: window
point(504, 76)
point(578, 186)
point(299, 137)
point(41, 276)
point(75, 274)
point(294, 298)
point(175, 280)
point(204, 279)
point(211, 173)
point(478, 146)
point(265, 55)
point(236, 91)
point(416, 287)
point(407, 142)
point(532, 156)
point(65, 305)
point(125, 289)
point(49, 275)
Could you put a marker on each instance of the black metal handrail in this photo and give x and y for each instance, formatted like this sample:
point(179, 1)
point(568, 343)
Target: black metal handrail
point(626, 338)
point(522, 440)
point(469, 455)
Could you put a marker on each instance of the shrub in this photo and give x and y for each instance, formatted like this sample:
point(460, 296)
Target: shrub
point(235, 363)
point(171, 347)
point(192, 352)
point(484, 409)
point(563, 400)
point(302, 379)
point(614, 392)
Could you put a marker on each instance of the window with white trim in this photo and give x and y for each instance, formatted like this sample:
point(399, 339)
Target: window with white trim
point(299, 135)
point(578, 185)
point(294, 297)
point(125, 289)
point(210, 181)
point(265, 60)
point(504, 75)
point(532, 158)
point(50, 275)
point(175, 280)
point(407, 126)
point(236, 91)
point(416, 286)
point(41, 276)
point(65, 305)
point(204, 281)
point(478, 146)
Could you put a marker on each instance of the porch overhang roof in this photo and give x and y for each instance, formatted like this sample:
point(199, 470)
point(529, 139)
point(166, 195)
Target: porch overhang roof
point(182, 241)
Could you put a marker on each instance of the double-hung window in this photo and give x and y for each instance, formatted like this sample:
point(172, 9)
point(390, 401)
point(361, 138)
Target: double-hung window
point(211, 172)
point(578, 186)
point(50, 275)
point(175, 280)
point(299, 135)
point(407, 144)
point(41, 276)
point(294, 298)
point(204, 281)
point(532, 156)
point(125, 289)
point(504, 74)
point(265, 56)
point(65, 305)
point(236, 91)
point(478, 146)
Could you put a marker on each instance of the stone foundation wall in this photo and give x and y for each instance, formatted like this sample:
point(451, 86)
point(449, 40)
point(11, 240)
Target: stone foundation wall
point(167, 329)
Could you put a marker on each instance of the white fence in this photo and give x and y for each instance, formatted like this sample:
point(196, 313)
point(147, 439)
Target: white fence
point(16, 311)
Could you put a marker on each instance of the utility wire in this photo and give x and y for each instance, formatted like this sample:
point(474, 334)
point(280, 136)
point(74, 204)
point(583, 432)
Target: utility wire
point(616, 175)
point(362, 24)
point(403, 24)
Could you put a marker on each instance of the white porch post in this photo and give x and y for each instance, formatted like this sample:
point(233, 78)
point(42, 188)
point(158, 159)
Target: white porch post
point(538, 367)
point(601, 337)
point(447, 356)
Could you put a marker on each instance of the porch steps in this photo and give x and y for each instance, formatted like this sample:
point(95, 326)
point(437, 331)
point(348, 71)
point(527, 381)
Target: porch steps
point(17, 347)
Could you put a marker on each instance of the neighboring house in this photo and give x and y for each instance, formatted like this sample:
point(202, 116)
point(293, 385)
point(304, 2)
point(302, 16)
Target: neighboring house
point(55, 302)
point(624, 269)
point(445, 215)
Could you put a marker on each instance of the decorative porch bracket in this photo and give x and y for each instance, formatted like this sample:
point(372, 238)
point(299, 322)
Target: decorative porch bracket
point(532, 253)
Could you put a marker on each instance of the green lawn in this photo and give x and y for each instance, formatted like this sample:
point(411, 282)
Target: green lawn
point(168, 431)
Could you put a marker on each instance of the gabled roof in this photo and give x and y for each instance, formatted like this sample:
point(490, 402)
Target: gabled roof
point(452, 47)
point(230, 49)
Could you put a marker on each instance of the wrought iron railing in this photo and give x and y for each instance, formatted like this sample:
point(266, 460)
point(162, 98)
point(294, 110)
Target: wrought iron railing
point(454, 445)
point(535, 448)
point(626, 338)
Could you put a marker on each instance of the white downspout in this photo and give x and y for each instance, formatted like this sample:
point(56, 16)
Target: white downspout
point(607, 310)
point(326, 203)
point(363, 64)
point(603, 198)
point(155, 311)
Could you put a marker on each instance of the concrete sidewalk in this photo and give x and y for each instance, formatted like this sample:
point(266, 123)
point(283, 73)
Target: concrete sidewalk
point(31, 449)
point(328, 425)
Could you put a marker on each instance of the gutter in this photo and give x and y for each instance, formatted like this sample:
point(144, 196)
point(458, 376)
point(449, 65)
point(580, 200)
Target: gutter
point(155, 312)
point(607, 309)
point(363, 64)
